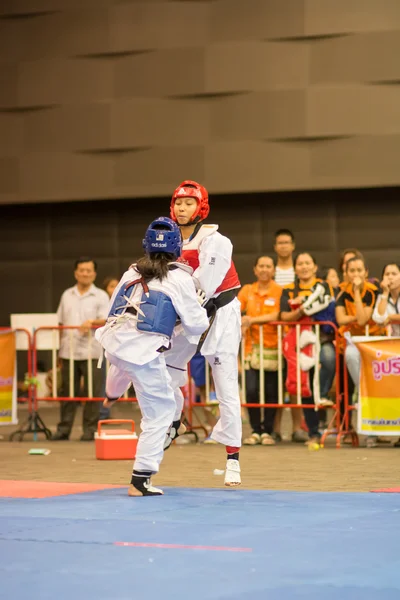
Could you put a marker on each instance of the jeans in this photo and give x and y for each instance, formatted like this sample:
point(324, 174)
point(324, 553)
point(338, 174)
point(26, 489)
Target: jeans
point(310, 414)
point(328, 368)
point(253, 397)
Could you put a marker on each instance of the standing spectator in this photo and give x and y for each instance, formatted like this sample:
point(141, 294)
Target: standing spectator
point(109, 284)
point(354, 307)
point(198, 374)
point(295, 295)
point(260, 305)
point(387, 308)
point(284, 247)
point(85, 305)
point(284, 275)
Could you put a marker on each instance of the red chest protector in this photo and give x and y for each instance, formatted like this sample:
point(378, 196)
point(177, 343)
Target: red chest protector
point(190, 253)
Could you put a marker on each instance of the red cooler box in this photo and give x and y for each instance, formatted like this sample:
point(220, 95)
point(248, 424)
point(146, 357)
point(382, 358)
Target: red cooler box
point(115, 444)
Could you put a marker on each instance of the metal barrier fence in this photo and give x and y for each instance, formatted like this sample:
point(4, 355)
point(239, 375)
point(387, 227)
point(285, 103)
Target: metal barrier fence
point(24, 341)
point(339, 424)
point(34, 423)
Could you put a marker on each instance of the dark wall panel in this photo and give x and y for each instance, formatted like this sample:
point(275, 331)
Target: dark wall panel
point(39, 243)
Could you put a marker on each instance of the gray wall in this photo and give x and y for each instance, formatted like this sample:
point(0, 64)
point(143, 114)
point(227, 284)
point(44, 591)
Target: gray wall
point(122, 98)
point(38, 244)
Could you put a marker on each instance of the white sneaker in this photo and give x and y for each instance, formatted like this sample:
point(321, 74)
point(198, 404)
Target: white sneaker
point(325, 402)
point(232, 473)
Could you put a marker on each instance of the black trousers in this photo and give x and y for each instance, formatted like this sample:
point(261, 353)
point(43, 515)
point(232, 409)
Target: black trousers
point(68, 408)
point(253, 397)
point(310, 414)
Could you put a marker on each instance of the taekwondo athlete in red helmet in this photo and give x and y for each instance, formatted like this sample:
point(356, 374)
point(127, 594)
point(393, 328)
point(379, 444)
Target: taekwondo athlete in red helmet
point(210, 255)
point(143, 312)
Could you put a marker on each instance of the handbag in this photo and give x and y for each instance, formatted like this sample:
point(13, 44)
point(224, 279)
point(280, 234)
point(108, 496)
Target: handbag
point(270, 358)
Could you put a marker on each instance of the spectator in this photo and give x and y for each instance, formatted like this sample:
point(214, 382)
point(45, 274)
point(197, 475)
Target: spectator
point(198, 374)
point(345, 255)
point(354, 307)
point(109, 284)
point(260, 302)
point(284, 247)
point(293, 298)
point(330, 275)
point(387, 308)
point(85, 305)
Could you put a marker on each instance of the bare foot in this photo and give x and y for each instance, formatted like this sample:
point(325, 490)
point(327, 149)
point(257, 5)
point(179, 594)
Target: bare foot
point(132, 491)
point(149, 491)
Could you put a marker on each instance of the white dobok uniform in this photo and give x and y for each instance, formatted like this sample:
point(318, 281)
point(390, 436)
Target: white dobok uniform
point(135, 356)
point(210, 255)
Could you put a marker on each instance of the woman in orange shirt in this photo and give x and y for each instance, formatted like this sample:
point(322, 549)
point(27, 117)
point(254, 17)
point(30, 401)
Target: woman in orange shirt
point(260, 303)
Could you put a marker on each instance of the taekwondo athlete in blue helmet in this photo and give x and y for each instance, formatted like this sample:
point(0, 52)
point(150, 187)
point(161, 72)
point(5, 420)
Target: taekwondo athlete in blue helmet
point(144, 308)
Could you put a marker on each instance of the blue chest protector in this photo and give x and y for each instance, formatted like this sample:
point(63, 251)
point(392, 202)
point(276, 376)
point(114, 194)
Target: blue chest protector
point(120, 303)
point(159, 315)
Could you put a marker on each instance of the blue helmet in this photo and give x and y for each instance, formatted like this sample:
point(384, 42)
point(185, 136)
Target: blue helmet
point(163, 235)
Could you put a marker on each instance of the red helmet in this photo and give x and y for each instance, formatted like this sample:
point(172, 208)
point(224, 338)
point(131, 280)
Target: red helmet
point(192, 189)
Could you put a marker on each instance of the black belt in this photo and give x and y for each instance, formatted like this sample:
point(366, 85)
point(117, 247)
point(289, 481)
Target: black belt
point(222, 300)
point(212, 306)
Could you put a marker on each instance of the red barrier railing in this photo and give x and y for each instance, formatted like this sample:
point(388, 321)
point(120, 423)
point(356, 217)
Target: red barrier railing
point(71, 398)
point(338, 425)
point(29, 425)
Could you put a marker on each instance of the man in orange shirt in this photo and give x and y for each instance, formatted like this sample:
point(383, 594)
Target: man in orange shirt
point(260, 303)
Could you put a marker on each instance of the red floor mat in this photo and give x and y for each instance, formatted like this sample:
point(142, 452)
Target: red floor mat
point(395, 490)
point(46, 489)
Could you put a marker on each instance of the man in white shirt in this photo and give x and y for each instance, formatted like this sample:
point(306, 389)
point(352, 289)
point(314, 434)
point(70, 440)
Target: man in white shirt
point(83, 305)
point(284, 247)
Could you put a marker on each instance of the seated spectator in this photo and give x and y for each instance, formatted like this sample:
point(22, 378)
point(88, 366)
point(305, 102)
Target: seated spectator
point(354, 307)
point(387, 307)
point(260, 303)
point(293, 302)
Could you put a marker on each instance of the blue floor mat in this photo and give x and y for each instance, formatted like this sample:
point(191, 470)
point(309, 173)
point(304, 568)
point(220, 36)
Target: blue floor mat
point(278, 545)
